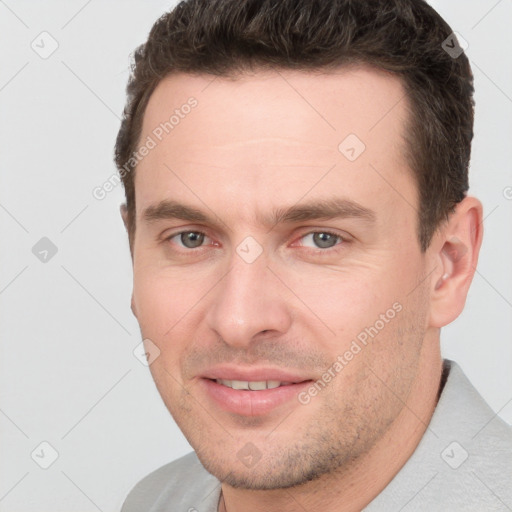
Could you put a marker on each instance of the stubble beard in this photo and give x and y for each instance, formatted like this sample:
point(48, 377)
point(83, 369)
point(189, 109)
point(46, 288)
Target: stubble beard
point(346, 426)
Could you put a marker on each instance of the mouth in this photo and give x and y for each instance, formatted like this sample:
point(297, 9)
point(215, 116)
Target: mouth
point(257, 385)
point(252, 397)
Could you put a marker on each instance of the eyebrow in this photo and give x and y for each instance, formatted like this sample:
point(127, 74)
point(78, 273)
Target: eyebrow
point(325, 209)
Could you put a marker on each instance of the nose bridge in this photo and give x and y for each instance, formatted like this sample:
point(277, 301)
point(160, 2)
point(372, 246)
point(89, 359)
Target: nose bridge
point(247, 301)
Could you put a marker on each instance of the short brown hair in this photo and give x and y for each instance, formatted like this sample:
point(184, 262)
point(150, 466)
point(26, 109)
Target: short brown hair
point(406, 37)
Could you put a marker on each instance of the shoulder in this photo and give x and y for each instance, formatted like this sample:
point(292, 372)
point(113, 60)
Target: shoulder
point(484, 443)
point(464, 460)
point(183, 485)
point(463, 409)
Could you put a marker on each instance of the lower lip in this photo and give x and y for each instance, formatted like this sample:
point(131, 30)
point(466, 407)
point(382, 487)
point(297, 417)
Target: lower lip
point(252, 403)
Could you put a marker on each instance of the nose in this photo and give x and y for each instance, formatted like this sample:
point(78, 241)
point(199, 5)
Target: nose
point(248, 302)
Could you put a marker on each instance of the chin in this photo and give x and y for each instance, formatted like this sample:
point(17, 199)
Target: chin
point(281, 472)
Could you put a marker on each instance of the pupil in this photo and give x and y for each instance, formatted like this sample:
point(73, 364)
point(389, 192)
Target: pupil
point(192, 239)
point(323, 240)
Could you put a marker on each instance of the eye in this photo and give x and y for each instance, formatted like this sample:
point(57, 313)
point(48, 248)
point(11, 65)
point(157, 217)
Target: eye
point(315, 239)
point(189, 239)
point(321, 239)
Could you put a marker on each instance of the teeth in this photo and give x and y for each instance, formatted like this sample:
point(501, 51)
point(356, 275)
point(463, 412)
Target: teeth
point(253, 385)
point(239, 384)
point(257, 386)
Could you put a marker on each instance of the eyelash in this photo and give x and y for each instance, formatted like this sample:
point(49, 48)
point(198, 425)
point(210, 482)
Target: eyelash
point(315, 251)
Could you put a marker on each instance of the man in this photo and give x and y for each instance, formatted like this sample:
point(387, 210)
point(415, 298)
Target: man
point(296, 177)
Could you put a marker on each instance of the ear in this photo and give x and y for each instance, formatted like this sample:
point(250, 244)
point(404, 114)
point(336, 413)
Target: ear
point(124, 214)
point(457, 246)
point(133, 307)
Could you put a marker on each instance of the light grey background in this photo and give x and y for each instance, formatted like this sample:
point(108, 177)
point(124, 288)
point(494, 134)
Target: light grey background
point(68, 375)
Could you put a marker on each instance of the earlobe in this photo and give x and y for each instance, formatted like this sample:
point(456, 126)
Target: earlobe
point(458, 245)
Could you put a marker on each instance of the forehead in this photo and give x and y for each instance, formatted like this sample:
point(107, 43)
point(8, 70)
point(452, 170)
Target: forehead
point(275, 135)
point(359, 98)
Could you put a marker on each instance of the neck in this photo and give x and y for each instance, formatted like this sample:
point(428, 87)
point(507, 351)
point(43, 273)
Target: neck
point(354, 487)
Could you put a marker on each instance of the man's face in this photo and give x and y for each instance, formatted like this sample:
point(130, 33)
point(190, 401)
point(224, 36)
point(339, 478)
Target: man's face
point(248, 293)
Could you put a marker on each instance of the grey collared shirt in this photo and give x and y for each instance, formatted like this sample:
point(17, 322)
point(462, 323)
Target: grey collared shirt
point(462, 463)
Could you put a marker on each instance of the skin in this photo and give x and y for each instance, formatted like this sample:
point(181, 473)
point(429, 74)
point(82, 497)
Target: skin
point(269, 140)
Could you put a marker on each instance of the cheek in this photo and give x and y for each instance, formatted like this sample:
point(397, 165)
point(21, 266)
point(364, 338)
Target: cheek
point(160, 302)
point(171, 304)
point(150, 303)
point(361, 309)
point(345, 300)
point(163, 307)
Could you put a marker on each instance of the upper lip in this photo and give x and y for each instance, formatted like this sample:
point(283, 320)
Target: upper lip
point(253, 374)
